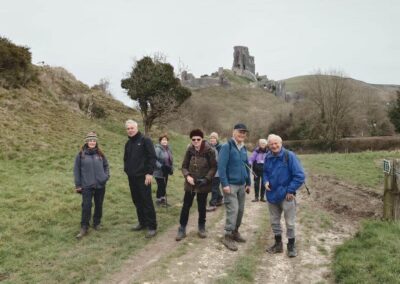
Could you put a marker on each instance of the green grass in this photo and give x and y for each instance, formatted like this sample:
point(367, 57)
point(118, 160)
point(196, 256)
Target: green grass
point(364, 168)
point(41, 215)
point(42, 131)
point(371, 257)
point(233, 78)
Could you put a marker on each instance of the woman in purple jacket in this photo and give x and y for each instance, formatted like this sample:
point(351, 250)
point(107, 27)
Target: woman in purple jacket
point(257, 163)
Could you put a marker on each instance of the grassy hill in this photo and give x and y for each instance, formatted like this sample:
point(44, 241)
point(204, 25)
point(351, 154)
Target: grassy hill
point(385, 92)
point(218, 109)
point(42, 128)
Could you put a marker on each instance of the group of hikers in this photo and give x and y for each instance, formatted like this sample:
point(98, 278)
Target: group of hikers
point(207, 166)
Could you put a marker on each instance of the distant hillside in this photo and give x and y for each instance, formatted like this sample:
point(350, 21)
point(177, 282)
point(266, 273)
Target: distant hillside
point(54, 112)
point(385, 92)
point(219, 108)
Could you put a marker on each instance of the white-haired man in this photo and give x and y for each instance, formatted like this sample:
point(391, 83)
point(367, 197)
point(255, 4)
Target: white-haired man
point(139, 164)
point(283, 176)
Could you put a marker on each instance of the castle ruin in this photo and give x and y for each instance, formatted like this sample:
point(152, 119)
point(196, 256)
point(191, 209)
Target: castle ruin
point(243, 63)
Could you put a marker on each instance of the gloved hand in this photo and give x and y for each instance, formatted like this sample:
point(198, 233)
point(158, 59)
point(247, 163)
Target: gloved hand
point(203, 182)
point(167, 170)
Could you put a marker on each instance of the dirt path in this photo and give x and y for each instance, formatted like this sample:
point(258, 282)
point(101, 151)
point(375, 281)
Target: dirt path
point(192, 260)
point(325, 219)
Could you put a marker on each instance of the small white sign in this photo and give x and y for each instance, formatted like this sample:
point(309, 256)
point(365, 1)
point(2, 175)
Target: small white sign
point(386, 166)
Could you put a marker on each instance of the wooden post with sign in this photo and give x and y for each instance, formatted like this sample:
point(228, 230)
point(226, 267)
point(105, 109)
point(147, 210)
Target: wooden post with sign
point(391, 194)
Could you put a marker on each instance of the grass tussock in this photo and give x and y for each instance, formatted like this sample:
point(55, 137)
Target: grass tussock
point(371, 257)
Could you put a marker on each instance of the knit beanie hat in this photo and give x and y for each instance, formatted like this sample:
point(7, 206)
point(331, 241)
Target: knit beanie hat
point(196, 132)
point(214, 135)
point(91, 136)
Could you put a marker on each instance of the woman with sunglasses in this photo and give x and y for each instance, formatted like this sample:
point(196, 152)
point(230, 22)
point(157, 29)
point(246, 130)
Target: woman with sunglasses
point(198, 168)
point(91, 172)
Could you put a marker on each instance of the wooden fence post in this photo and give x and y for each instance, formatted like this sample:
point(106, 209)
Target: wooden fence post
point(391, 194)
point(396, 190)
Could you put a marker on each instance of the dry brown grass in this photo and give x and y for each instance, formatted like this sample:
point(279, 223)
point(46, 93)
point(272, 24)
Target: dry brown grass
point(218, 109)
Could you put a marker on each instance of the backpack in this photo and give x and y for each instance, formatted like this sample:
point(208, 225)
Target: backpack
point(286, 159)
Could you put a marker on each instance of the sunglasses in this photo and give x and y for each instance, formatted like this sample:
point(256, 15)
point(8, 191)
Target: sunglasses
point(196, 139)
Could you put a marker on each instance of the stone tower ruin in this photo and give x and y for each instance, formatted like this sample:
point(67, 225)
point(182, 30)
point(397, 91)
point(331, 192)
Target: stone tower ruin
point(243, 63)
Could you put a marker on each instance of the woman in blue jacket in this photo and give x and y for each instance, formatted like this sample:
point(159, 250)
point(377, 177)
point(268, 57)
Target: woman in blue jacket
point(91, 173)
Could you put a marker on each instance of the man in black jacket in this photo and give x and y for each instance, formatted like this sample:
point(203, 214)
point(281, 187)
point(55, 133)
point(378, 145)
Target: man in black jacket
point(139, 163)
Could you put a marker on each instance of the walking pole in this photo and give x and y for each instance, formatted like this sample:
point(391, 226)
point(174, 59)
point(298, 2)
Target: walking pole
point(247, 166)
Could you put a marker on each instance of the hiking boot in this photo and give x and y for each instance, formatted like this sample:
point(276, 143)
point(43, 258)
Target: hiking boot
point(202, 232)
point(97, 227)
point(228, 241)
point(263, 199)
point(291, 248)
point(151, 233)
point(277, 247)
point(255, 199)
point(138, 227)
point(181, 234)
point(237, 237)
point(211, 208)
point(219, 202)
point(83, 232)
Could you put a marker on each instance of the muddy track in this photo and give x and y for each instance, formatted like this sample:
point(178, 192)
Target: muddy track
point(326, 218)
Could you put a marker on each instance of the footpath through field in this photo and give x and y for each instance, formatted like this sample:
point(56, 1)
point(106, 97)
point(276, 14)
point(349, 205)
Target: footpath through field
point(326, 218)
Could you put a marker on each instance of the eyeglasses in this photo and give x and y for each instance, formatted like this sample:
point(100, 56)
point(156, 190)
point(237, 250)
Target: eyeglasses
point(196, 139)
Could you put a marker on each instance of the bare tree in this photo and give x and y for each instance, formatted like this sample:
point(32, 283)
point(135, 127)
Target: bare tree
point(331, 94)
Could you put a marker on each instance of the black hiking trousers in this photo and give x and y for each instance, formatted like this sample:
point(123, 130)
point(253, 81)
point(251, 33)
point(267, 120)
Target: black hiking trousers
point(141, 197)
point(258, 186)
point(201, 206)
point(98, 196)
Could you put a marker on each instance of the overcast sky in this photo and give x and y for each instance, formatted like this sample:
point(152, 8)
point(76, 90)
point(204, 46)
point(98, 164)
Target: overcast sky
point(99, 39)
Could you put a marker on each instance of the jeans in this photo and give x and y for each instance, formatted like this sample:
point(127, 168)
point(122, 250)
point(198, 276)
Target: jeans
point(289, 212)
point(98, 195)
point(234, 205)
point(215, 191)
point(141, 197)
point(201, 206)
point(161, 187)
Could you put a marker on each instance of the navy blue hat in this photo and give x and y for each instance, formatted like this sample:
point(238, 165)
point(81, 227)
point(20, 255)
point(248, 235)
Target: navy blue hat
point(240, 126)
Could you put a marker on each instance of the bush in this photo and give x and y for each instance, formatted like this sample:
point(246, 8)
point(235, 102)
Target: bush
point(345, 145)
point(91, 108)
point(16, 69)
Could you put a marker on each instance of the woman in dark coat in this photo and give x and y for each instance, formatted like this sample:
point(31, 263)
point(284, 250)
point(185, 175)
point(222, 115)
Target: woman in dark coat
point(91, 173)
point(164, 168)
point(198, 168)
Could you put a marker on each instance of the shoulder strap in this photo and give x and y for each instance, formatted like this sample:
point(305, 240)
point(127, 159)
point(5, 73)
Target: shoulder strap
point(286, 157)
